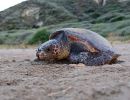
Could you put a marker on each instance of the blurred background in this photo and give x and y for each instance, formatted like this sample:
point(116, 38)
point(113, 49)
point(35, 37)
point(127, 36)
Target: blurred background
point(30, 22)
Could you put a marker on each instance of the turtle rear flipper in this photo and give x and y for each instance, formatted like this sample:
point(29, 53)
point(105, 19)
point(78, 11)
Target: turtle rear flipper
point(114, 58)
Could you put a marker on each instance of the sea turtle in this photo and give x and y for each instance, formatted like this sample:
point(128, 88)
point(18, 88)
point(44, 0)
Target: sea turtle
point(78, 46)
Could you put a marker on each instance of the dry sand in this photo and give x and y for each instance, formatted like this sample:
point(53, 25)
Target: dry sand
point(20, 79)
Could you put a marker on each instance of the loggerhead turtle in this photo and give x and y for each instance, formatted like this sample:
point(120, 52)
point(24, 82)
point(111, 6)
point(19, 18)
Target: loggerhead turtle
point(78, 46)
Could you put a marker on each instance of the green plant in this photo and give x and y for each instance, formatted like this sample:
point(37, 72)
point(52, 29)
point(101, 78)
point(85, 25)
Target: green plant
point(1, 41)
point(39, 36)
point(118, 18)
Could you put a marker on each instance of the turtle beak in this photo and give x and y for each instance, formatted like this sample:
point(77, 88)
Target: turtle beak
point(41, 55)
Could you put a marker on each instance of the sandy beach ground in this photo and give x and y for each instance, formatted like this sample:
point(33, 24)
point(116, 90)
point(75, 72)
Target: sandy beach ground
point(21, 79)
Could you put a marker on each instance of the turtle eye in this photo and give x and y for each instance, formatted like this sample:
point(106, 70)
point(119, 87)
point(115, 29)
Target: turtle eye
point(48, 49)
point(38, 50)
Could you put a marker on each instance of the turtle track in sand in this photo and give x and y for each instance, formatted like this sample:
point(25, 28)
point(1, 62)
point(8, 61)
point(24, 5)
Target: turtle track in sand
point(22, 80)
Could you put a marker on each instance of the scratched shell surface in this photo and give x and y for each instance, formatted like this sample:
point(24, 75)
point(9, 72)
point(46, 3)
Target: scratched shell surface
point(90, 38)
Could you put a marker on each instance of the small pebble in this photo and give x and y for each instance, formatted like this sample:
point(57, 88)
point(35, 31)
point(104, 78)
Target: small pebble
point(13, 60)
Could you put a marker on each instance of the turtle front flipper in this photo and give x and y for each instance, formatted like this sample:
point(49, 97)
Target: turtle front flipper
point(92, 59)
point(73, 58)
point(78, 58)
point(95, 59)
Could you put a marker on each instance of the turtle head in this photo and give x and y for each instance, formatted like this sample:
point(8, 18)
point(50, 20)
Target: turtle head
point(48, 50)
point(56, 48)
